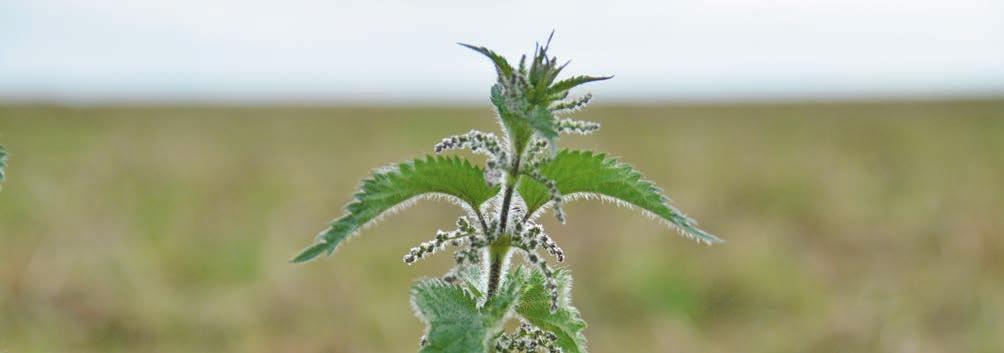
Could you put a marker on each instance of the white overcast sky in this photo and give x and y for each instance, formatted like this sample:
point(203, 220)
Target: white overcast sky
point(405, 51)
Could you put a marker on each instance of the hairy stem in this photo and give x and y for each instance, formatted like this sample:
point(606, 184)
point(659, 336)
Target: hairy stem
point(496, 256)
point(495, 259)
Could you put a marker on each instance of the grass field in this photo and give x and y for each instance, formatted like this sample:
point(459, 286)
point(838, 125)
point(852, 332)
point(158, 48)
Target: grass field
point(871, 227)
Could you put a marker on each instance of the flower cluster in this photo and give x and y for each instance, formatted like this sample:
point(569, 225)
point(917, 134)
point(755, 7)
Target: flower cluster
point(510, 92)
point(580, 127)
point(529, 237)
point(527, 339)
point(537, 154)
point(573, 105)
point(484, 143)
point(552, 188)
point(456, 238)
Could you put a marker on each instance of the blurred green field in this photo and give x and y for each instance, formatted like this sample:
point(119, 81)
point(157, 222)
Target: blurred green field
point(851, 227)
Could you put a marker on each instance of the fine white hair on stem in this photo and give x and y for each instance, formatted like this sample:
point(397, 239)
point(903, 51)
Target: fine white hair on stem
point(491, 205)
point(517, 207)
point(506, 139)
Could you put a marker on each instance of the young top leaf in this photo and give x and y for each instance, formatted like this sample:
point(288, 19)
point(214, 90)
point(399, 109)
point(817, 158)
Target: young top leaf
point(586, 174)
point(569, 83)
point(452, 178)
point(502, 66)
point(524, 97)
point(512, 113)
point(542, 120)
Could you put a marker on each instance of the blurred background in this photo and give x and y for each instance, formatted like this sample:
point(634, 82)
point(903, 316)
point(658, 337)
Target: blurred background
point(168, 157)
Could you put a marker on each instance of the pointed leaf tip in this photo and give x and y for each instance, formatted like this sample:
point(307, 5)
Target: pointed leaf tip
point(309, 253)
point(574, 81)
point(501, 64)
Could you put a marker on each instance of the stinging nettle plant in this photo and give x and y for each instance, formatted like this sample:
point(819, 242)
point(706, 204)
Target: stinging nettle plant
point(523, 177)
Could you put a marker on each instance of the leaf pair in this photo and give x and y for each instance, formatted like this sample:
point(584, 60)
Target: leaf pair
point(457, 324)
point(578, 174)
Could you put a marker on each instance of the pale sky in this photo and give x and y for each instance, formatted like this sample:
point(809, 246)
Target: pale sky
point(405, 51)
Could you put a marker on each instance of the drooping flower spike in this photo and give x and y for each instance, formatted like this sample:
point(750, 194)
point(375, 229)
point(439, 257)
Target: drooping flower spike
point(481, 143)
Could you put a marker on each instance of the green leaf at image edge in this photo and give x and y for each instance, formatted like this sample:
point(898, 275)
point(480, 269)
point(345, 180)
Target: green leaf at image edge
point(3, 165)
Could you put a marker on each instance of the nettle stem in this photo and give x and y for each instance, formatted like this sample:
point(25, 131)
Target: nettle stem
point(498, 254)
point(497, 258)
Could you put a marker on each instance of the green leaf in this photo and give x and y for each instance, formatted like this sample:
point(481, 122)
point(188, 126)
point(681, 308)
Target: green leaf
point(311, 252)
point(3, 164)
point(585, 174)
point(572, 82)
point(543, 122)
point(455, 323)
point(501, 64)
point(471, 276)
point(453, 178)
point(535, 307)
point(521, 124)
point(517, 128)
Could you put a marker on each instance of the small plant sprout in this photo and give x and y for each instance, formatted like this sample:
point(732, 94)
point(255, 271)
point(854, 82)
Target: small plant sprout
point(524, 176)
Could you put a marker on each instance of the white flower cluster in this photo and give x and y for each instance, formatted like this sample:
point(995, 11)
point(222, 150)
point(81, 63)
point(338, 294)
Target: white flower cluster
point(484, 143)
point(538, 154)
point(580, 127)
point(527, 339)
point(572, 105)
point(463, 234)
point(513, 90)
point(555, 194)
point(532, 236)
point(529, 237)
